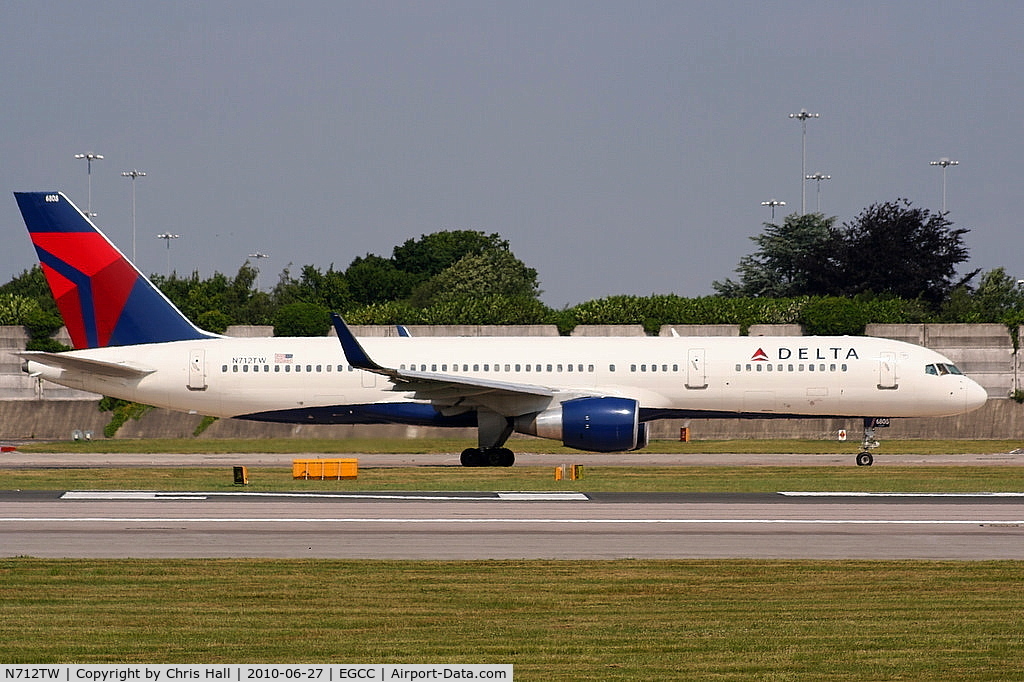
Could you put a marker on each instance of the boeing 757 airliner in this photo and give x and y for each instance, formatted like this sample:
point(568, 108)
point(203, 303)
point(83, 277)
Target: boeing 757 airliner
point(595, 394)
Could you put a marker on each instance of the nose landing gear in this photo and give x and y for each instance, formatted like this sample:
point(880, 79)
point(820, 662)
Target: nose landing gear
point(864, 458)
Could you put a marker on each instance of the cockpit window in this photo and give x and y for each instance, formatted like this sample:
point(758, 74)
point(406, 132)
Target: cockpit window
point(941, 368)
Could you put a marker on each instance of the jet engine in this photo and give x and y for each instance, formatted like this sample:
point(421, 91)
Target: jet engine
point(606, 424)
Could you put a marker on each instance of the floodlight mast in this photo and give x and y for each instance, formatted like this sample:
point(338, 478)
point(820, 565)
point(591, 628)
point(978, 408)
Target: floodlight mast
point(167, 237)
point(945, 163)
point(818, 177)
point(257, 255)
point(89, 158)
point(133, 174)
point(773, 203)
point(803, 116)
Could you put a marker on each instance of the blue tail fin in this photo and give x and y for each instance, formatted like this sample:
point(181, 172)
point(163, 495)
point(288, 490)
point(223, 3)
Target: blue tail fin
point(103, 298)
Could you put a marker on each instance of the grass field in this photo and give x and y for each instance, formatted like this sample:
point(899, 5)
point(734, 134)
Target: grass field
point(605, 620)
point(595, 479)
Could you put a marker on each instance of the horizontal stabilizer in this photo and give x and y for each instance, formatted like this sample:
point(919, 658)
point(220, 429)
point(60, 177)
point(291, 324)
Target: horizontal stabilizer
point(74, 363)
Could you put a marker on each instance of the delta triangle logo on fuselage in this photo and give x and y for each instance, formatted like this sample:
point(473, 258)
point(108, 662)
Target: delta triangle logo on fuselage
point(760, 355)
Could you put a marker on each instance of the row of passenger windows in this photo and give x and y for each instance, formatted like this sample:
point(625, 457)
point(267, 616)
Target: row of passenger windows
point(456, 367)
point(497, 367)
point(287, 368)
point(799, 367)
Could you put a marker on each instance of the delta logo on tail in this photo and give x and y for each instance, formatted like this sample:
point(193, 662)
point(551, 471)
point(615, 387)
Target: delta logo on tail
point(103, 298)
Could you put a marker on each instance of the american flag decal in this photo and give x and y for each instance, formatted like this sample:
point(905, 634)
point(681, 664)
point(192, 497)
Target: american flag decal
point(283, 357)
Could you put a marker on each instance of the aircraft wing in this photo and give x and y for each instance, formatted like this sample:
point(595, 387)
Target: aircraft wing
point(74, 363)
point(440, 388)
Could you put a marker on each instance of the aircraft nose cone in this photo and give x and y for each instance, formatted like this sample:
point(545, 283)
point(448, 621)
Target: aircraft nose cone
point(975, 396)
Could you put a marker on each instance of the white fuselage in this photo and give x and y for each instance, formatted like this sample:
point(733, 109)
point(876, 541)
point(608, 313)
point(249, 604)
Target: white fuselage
point(668, 376)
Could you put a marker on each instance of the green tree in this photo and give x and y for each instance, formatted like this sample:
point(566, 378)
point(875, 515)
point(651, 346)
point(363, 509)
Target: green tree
point(795, 258)
point(301, 319)
point(494, 272)
point(433, 253)
point(31, 284)
point(328, 289)
point(234, 297)
point(890, 249)
point(896, 249)
point(372, 279)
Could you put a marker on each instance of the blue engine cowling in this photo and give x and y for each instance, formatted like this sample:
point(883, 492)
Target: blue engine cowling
point(595, 424)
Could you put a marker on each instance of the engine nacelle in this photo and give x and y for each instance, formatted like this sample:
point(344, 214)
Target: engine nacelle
point(595, 424)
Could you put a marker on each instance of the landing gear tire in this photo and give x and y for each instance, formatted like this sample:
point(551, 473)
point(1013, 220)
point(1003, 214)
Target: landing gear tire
point(865, 459)
point(470, 457)
point(490, 457)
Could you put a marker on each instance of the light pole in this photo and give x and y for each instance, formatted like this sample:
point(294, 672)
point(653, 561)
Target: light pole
point(818, 177)
point(945, 163)
point(133, 174)
point(89, 158)
point(803, 116)
point(167, 237)
point(257, 255)
point(773, 203)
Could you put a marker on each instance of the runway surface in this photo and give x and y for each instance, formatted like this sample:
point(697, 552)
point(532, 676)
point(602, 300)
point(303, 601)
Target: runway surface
point(571, 525)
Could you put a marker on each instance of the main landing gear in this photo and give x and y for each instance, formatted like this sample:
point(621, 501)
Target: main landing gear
point(493, 430)
point(487, 457)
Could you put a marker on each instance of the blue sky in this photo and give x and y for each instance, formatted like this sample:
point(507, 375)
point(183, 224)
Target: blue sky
point(621, 148)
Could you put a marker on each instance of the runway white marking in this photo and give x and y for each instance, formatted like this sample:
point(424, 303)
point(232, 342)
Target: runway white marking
point(509, 496)
point(840, 494)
